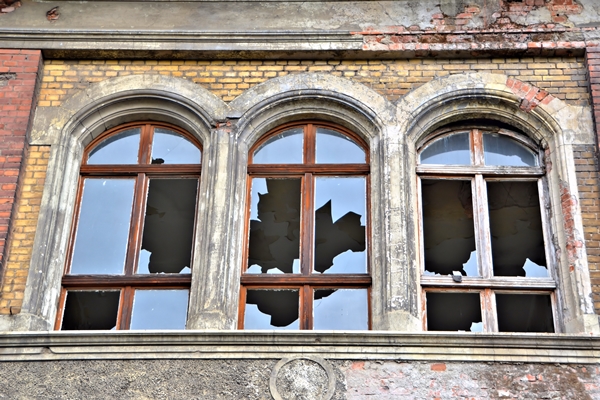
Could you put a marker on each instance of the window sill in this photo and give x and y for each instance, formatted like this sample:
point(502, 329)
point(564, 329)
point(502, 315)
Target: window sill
point(355, 345)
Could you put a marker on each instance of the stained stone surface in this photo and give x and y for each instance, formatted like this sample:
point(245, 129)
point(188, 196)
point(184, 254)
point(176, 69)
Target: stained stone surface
point(302, 379)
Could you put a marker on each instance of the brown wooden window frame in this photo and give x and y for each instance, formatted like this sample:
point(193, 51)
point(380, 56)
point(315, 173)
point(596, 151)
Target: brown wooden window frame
point(306, 282)
point(128, 282)
point(487, 285)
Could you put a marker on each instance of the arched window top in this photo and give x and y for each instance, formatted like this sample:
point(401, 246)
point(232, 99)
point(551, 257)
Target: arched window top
point(309, 143)
point(144, 144)
point(479, 147)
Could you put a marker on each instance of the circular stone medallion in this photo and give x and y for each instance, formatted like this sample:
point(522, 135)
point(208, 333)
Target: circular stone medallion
point(302, 378)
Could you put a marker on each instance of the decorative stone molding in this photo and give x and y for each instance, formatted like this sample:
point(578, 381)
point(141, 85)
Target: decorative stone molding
point(310, 378)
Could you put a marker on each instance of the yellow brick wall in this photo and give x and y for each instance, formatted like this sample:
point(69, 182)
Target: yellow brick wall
point(29, 198)
point(565, 78)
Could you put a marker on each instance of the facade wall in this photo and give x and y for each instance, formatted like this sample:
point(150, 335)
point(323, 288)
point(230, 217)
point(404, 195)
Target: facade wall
point(532, 78)
point(249, 379)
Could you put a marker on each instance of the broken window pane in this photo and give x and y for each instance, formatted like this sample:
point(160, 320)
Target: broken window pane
point(344, 309)
point(272, 309)
point(448, 229)
point(336, 148)
point(524, 313)
point(103, 227)
point(453, 149)
point(516, 228)
point(91, 310)
point(284, 148)
point(169, 147)
point(168, 226)
point(503, 150)
point(274, 244)
point(118, 149)
point(340, 217)
point(159, 309)
point(453, 312)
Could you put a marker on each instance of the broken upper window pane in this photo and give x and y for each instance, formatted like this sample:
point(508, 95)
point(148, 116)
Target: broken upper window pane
point(454, 312)
point(274, 245)
point(168, 226)
point(284, 148)
point(503, 150)
point(90, 310)
point(448, 228)
point(524, 313)
point(103, 226)
point(453, 149)
point(170, 147)
point(271, 309)
point(340, 218)
point(516, 229)
point(344, 309)
point(121, 148)
point(159, 309)
point(336, 148)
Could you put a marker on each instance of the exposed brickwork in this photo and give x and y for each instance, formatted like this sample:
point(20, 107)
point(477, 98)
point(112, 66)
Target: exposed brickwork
point(563, 77)
point(593, 65)
point(23, 228)
point(586, 164)
point(18, 76)
point(474, 380)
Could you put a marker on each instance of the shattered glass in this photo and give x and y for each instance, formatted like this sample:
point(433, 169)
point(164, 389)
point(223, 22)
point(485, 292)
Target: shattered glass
point(454, 312)
point(340, 210)
point(448, 228)
point(272, 309)
point(516, 229)
point(275, 225)
point(91, 310)
point(103, 226)
point(118, 149)
point(169, 147)
point(341, 309)
point(168, 226)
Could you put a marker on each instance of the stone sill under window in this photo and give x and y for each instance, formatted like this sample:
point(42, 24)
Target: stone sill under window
point(425, 346)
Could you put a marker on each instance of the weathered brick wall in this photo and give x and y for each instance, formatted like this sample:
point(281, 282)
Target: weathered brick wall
point(18, 77)
point(24, 223)
point(563, 77)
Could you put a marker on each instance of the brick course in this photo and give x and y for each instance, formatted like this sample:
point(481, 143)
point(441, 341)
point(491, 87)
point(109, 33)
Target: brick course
point(563, 77)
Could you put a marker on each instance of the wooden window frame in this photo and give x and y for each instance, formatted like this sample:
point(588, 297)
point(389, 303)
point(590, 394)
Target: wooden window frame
point(306, 282)
point(479, 174)
point(142, 172)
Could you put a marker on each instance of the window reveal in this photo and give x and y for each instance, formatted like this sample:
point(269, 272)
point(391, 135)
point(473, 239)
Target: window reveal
point(307, 232)
point(484, 241)
point(132, 242)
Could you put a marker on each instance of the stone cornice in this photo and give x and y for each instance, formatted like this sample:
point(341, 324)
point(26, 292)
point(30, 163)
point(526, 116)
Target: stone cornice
point(428, 346)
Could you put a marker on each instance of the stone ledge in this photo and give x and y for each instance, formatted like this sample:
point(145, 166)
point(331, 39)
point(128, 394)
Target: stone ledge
point(426, 346)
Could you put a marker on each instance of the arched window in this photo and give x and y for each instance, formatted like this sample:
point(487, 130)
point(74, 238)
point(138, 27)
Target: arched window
point(130, 252)
point(487, 261)
point(306, 265)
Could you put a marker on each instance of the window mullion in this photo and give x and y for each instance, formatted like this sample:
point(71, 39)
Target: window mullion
point(482, 226)
point(306, 307)
point(125, 308)
point(137, 222)
point(477, 147)
point(307, 225)
point(488, 311)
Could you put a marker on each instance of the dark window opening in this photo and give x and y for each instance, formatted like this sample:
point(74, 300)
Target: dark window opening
point(454, 312)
